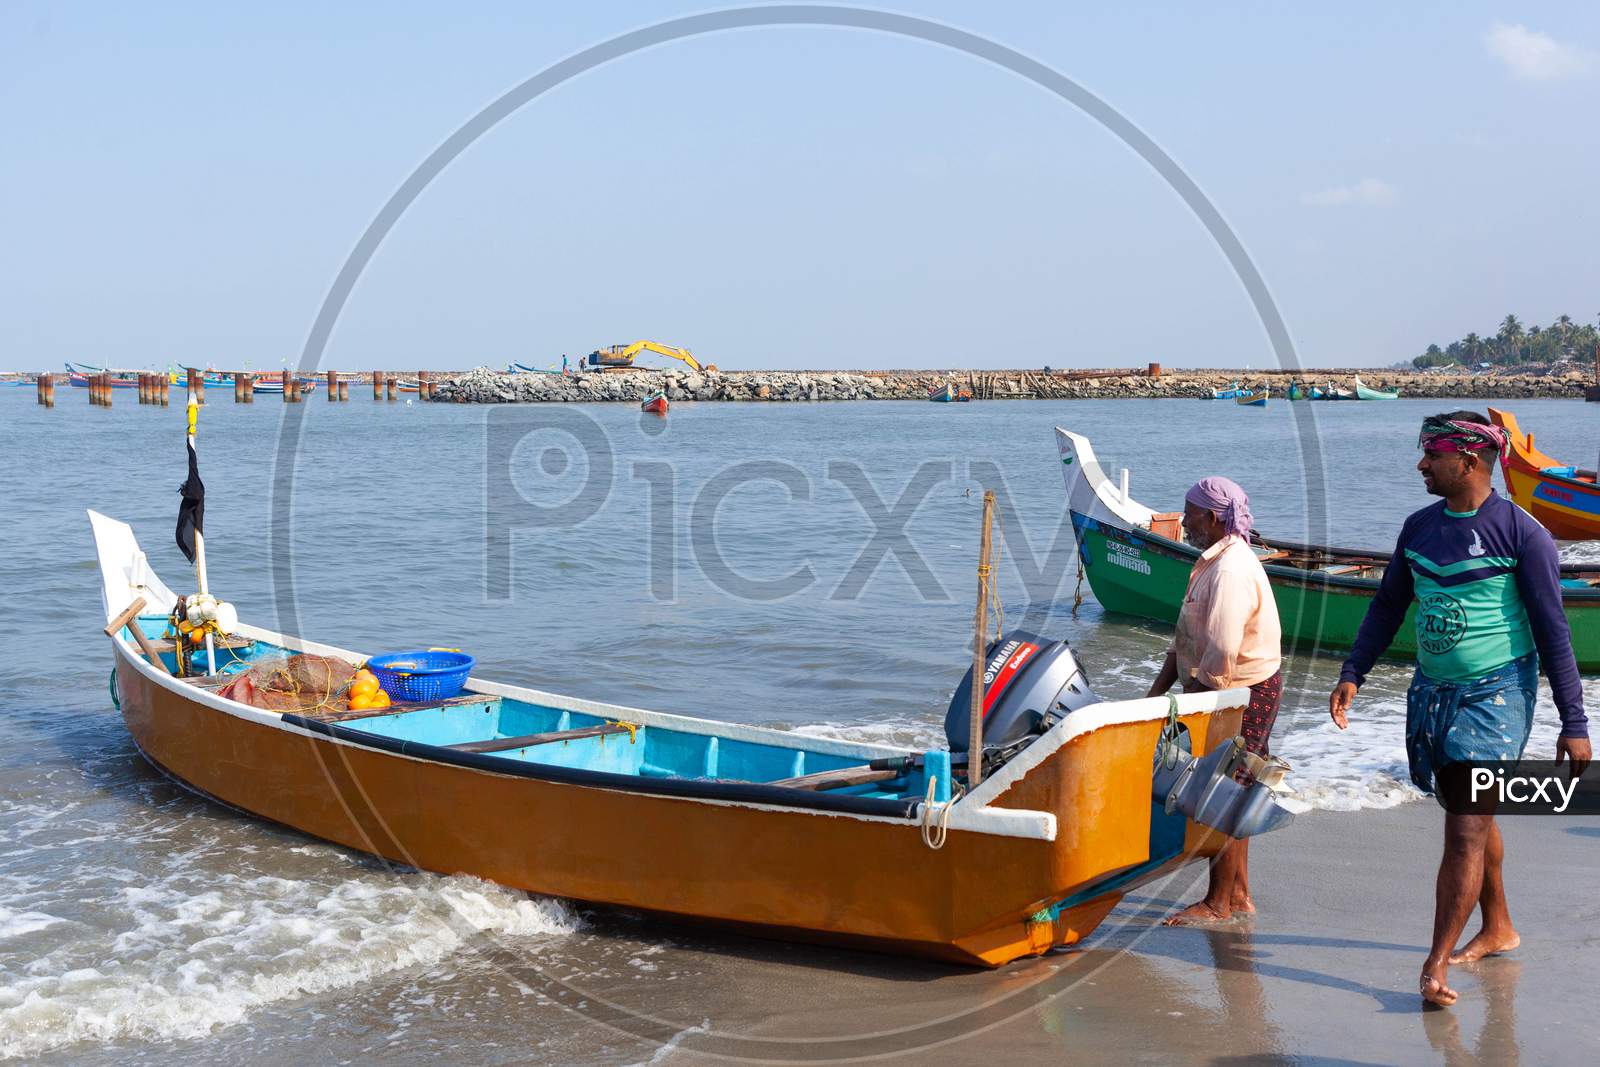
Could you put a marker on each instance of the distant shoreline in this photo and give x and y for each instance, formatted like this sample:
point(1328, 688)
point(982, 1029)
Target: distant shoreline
point(485, 386)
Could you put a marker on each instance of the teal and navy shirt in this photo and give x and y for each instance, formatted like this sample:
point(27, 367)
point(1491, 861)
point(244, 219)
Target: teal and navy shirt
point(1488, 589)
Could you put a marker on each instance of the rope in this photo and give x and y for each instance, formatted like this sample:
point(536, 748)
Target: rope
point(935, 832)
point(111, 684)
point(1167, 743)
point(1077, 593)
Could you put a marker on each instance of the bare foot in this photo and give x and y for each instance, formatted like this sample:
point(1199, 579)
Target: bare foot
point(1198, 914)
point(1487, 943)
point(1434, 991)
point(1243, 905)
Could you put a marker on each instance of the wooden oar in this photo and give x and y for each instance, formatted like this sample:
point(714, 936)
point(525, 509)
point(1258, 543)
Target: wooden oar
point(126, 617)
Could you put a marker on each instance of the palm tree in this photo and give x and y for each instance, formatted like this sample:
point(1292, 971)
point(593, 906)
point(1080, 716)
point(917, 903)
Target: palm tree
point(1511, 328)
point(1564, 324)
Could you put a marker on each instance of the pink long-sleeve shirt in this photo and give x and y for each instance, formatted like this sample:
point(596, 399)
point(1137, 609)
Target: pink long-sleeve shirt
point(1228, 631)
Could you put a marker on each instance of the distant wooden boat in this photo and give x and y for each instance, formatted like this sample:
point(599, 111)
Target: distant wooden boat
point(78, 375)
point(656, 404)
point(1251, 398)
point(1232, 392)
point(1322, 592)
point(1333, 392)
point(950, 394)
point(1366, 392)
point(775, 832)
point(1564, 499)
point(273, 384)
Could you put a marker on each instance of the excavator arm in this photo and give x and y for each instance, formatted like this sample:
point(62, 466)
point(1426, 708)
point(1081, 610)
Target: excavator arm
point(623, 356)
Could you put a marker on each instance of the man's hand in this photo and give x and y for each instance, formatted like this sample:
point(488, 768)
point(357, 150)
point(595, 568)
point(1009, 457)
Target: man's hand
point(1339, 704)
point(1575, 749)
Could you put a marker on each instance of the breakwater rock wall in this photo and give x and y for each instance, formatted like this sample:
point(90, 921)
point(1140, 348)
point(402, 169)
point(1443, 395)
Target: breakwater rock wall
point(486, 386)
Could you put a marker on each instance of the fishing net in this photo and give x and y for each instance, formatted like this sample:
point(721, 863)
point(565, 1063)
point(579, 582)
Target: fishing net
point(297, 683)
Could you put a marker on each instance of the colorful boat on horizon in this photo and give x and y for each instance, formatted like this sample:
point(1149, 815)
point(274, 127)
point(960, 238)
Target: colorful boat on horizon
point(949, 393)
point(1251, 398)
point(1137, 564)
point(271, 384)
point(655, 404)
point(78, 375)
point(1565, 499)
point(1230, 393)
point(1366, 392)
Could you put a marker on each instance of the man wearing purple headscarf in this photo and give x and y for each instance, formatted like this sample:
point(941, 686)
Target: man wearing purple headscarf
point(1228, 638)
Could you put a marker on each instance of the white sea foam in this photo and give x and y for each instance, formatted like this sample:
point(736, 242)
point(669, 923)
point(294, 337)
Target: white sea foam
point(14, 924)
point(196, 953)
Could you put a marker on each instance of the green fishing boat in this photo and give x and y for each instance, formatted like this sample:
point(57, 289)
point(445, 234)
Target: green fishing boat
point(1137, 564)
point(1366, 392)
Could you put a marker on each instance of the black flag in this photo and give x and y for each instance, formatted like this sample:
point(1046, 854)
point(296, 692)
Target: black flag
point(192, 512)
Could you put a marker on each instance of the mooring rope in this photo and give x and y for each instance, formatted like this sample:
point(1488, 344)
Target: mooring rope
point(935, 831)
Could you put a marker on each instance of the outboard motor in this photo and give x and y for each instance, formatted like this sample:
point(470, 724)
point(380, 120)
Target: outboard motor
point(1029, 684)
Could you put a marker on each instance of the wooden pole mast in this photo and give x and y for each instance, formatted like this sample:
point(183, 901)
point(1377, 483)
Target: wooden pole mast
point(200, 541)
point(979, 647)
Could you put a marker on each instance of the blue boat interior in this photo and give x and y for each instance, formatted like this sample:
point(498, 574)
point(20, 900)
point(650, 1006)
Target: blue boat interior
point(649, 751)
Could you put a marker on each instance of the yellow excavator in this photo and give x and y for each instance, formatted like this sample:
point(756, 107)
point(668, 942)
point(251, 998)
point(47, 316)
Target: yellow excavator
point(620, 357)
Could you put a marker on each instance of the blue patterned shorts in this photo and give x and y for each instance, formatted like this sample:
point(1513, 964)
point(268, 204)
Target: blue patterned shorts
point(1481, 720)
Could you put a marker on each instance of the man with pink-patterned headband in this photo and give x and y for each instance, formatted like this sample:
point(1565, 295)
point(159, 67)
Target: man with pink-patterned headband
point(1486, 581)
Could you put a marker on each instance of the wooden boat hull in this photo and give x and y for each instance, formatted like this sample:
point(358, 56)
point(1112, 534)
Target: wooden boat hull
point(1569, 507)
point(1134, 571)
point(81, 381)
point(1366, 392)
point(1035, 858)
point(274, 387)
point(655, 405)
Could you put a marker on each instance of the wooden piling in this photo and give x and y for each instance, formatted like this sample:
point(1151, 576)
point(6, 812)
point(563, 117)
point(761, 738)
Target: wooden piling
point(166, 389)
point(423, 386)
point(393, 385)
point(333, 387)
point(377, 385)
point(344, 391)
point(105, 389)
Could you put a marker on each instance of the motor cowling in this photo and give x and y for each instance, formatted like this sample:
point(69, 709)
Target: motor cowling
point(1029, 683)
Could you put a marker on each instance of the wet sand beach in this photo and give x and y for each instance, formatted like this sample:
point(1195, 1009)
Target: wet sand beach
point(1325, 973)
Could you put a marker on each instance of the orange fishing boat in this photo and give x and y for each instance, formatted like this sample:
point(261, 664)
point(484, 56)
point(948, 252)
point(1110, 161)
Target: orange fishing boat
point(1564, 499)
point(772, 832)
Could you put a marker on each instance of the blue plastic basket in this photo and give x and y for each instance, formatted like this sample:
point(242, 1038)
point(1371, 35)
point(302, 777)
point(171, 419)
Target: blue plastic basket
point(430, 674)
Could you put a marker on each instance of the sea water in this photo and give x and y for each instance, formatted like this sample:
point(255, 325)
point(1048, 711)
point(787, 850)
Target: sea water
point(804, 566)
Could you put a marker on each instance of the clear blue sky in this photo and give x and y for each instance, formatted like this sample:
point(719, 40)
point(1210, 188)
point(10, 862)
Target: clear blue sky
point(182, 182)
